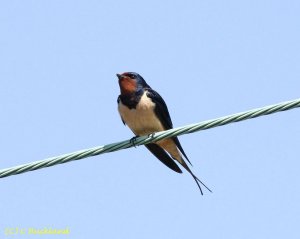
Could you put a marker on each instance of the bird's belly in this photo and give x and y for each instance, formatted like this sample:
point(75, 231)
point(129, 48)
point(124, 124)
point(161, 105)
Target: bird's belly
point(141, 120)
point(143, 123)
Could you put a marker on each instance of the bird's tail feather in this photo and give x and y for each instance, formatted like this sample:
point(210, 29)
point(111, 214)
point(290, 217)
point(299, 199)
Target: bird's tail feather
point(197, 180)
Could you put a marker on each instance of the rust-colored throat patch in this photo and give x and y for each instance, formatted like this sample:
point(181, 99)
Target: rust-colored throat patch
point(127, 85)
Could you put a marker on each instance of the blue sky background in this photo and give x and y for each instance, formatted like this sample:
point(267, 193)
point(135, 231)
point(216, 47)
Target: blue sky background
point(58, 61)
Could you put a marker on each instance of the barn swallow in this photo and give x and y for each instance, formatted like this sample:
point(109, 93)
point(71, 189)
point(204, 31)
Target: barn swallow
point(145, 112)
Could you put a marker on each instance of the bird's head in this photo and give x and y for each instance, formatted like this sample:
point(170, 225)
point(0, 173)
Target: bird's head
point(131, 82)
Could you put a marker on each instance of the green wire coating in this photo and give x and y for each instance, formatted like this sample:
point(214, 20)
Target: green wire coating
point(151, 138)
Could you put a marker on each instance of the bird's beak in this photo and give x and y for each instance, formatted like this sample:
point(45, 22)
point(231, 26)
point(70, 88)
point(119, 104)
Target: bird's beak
point(120, 76)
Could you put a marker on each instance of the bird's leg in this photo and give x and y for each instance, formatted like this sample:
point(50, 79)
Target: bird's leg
point(151, 135)
point(133, 140)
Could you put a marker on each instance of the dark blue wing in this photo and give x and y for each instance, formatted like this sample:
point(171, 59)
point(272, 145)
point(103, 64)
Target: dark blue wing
point(159, 153)
point(161, 109)
point(118, 101)
point(162, 112)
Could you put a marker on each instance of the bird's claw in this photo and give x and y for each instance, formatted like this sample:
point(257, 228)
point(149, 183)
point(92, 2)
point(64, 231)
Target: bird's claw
point(151, 135)
point(133, 140)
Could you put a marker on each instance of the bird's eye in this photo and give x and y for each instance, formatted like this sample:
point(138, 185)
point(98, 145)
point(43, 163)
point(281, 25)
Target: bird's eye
point(132, 76)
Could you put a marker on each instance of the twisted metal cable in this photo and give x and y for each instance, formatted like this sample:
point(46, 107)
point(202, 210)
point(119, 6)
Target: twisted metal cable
point(151, 138)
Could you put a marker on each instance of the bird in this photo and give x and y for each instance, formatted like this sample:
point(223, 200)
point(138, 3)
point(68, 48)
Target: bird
point(145, 112)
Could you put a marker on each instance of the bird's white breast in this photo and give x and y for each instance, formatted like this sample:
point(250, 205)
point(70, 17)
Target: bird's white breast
point(141, 120)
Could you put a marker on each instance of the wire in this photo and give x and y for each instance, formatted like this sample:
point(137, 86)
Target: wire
point(151, 138)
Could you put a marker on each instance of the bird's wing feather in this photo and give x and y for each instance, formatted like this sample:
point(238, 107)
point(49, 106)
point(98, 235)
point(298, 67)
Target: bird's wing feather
point(118, 100)
point(161, 109)
point(162, 112)
point(159, 153)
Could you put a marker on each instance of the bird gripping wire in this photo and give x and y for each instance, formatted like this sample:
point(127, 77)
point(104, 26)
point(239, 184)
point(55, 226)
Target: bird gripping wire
point(151, 138)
